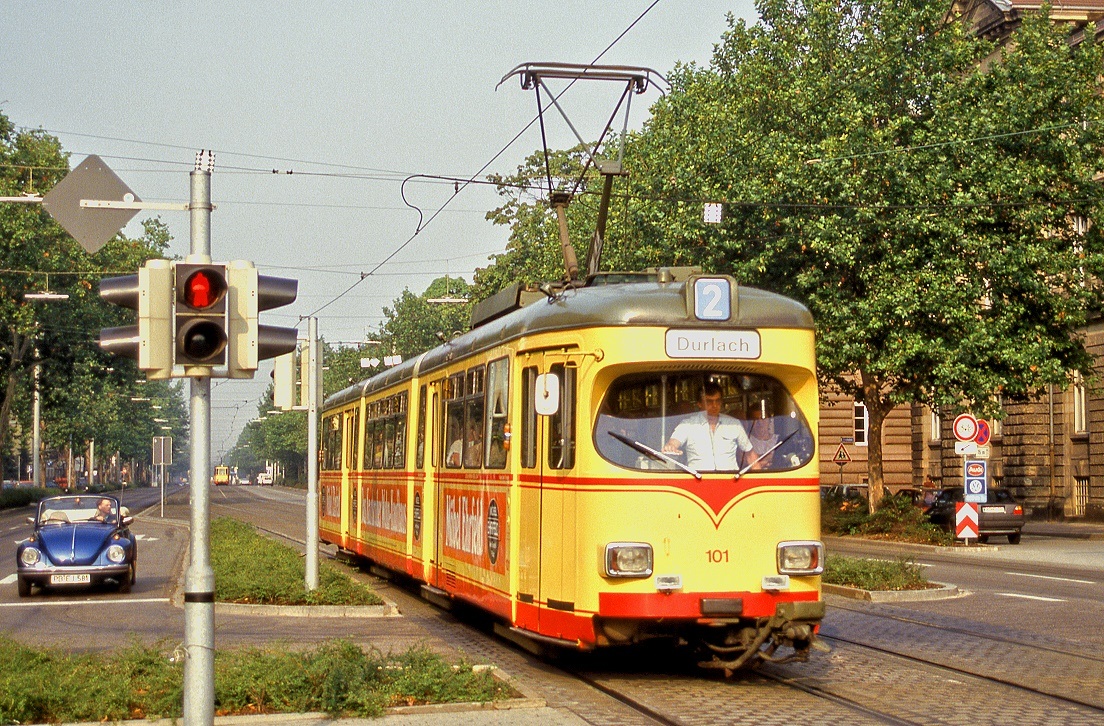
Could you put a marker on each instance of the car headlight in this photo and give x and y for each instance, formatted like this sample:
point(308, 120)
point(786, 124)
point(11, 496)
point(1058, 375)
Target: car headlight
point(30, 556)
point(628, 559)
point(800, 558)
point(116, 553)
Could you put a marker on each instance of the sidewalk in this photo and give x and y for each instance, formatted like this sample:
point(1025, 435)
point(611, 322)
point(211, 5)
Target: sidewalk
point(1072, 530)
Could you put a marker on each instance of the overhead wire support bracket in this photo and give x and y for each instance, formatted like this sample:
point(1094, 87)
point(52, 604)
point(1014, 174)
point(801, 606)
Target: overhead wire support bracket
point(637, 80)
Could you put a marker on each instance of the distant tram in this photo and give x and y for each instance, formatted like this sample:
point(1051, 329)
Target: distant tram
point(520, 467)
point(222, 475)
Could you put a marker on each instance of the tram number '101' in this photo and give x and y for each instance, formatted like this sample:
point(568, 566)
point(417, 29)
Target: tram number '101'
point(717, 555)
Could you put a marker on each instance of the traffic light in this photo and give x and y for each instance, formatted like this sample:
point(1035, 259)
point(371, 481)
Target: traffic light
point(283, 382)
point(249, 341)
point(200, 317)
point(150, 341)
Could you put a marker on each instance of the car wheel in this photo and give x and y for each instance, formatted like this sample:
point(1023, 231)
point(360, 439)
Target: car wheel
point(1014, 538)
point(983, 538)
point(126, 582)
point(24, 587)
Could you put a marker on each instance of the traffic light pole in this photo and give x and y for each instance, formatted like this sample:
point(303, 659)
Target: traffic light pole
point(313, 387)
point(199, 580)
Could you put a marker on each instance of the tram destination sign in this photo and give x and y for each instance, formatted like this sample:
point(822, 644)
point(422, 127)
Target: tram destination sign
point(704, 343)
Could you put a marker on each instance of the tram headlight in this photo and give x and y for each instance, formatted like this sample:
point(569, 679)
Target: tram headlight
point(628, 559)
point(800, 558)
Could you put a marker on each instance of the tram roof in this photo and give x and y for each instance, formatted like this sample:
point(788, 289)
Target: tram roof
point(634, 304)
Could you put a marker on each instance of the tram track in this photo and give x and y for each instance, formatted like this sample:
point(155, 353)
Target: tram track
point(987, 636)
point(987, 687)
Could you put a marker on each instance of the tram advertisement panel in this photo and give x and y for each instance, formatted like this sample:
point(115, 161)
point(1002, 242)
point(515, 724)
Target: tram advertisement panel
point(475, 531)
point(383, 510)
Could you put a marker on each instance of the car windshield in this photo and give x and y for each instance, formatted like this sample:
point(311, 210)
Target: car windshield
point(66, 510)
point(657, 420)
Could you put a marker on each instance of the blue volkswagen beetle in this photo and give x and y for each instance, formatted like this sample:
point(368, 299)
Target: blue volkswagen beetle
point(78, 540)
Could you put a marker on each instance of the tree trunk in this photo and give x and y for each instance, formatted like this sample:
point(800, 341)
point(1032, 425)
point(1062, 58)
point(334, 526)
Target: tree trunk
point(877, 408)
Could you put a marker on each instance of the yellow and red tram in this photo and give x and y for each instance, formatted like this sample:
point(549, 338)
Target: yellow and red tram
point(521, 467)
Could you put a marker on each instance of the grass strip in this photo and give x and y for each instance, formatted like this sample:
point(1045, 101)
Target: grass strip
point(900, 574)
point(250, 568)
point(338, 677)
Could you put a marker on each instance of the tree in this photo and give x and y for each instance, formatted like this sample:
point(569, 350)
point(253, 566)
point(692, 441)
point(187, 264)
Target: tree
point(412, 324)
point(81, 397)
point(922, 204)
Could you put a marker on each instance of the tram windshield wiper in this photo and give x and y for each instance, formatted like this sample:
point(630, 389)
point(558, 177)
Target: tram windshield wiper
point(747, 466)
point(653, 453)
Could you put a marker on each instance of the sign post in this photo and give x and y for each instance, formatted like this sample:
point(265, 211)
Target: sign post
point(841, 459)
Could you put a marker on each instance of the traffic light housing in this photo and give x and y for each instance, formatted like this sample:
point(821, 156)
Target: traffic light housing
point(284, 393)
point(200, 319)
point(249, 341)
point(150, 342)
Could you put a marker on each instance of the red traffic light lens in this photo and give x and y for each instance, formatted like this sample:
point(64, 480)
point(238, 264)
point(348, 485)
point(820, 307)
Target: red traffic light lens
point(203, 288)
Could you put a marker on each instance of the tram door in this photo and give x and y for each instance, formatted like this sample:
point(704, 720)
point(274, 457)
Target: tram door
point(548, 552)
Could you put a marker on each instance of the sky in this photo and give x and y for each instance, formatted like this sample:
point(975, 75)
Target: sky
point(343, 101)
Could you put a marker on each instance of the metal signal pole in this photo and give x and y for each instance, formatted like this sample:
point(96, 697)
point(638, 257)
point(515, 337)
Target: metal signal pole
point(314, 375)
point(199, 581)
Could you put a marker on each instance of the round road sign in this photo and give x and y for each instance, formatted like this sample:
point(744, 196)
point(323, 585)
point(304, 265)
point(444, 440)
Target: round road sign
point(984, 433)
point(965, 427)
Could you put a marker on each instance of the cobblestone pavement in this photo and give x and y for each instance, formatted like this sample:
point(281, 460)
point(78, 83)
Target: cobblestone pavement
point(1061, 669)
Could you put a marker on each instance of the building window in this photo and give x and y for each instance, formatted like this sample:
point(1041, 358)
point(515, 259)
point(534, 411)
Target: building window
point(862, 424)
point(1080, 408)
point(936, 432)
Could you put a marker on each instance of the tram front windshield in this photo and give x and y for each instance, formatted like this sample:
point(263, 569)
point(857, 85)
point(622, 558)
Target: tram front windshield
point(670, 421)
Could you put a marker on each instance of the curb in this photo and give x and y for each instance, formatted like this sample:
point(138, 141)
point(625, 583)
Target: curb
point(309, 611)
point(943, 592)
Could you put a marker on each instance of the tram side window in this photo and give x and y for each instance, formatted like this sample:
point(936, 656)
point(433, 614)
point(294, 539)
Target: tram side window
point(369, 433)
point(399, 460)
point(529, 418)
point(473, 418)
point(454, 421)
point(561, 439)
point(352, 435)
point(331, 443)
point(498, 403)
point(419, 455)
point(377, 445)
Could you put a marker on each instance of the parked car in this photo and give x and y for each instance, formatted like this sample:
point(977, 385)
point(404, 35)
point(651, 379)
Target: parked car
point(1000, 514)
point(78, 540)
point(264, 478)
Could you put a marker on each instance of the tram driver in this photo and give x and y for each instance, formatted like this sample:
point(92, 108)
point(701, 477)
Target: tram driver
point(711, 440)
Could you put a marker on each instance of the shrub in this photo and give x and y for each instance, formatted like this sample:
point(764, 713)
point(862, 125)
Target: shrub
point(901, 574)
point(896, 517)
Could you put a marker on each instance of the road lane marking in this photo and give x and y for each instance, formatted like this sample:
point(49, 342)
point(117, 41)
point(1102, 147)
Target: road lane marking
point(1048, 577)
point(9, 579)
point(55, 603)
point(1031, 597)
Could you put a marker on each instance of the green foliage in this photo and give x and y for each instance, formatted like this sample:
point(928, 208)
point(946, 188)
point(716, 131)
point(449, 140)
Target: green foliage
point(896, 518)
point(253, 569)
point(22, 496)
point(338, 677)
point(86, 393)
point(901, 574)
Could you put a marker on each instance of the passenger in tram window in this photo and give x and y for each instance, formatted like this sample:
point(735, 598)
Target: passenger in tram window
point(473, 448)
point(762, 437)
point(455, 454)
point(711, 440)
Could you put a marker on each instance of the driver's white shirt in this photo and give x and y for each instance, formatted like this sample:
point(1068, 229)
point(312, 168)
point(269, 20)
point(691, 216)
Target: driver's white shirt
point(716, 450)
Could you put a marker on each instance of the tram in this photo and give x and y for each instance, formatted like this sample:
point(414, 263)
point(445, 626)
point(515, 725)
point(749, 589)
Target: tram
point(526, 467)
point(222, 475)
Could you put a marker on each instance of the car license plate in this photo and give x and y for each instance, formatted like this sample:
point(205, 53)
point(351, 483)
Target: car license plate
point(70, 579)
point(993, 510)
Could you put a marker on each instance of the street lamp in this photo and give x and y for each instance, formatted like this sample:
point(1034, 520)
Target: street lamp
point(36, 437)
